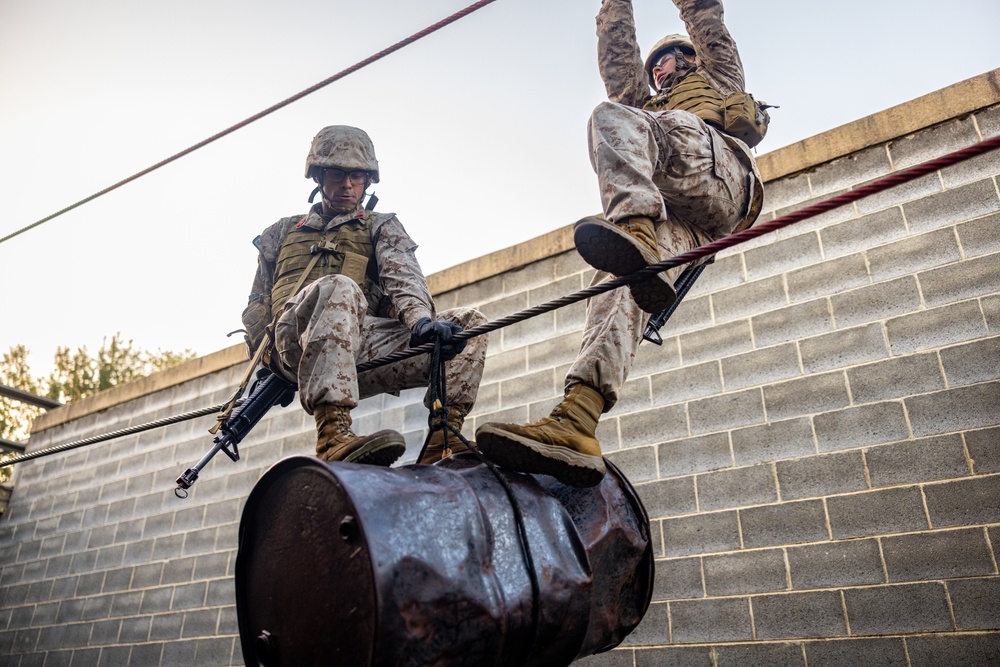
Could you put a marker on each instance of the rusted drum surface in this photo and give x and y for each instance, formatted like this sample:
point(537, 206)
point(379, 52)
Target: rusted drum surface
point(356, 565)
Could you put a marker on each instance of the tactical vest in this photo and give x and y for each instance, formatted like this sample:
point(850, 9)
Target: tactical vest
point(738, 115)
point(692, 94)
point(347, 249)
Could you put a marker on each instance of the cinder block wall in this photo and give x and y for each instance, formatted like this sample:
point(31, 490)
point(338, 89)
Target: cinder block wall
point(817, 441)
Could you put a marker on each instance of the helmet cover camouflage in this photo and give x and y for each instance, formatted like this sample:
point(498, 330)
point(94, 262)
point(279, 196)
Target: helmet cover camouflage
point(667, 42)
point(345, 147)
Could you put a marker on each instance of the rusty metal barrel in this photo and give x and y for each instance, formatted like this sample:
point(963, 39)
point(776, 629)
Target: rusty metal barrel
point(357, 565)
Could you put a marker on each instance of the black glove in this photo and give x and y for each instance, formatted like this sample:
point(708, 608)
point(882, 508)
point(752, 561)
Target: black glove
point(427, 330)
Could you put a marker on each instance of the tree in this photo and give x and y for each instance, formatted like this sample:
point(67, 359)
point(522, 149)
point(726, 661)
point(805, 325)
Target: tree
point(75, 375)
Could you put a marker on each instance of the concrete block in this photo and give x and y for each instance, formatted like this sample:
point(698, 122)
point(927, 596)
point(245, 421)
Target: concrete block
point(932, 142)
point(938, 327)
point(784, 654)
point(634, 396)
point(772, 442)
point(978, 237)
point(916, 189)
point(869, 231)
point(875, 303)
point(924, 460)
point(619, 658)
point(820, 221)
point(781, 256)
point(723, 273)
point(547, 291)
point(896, 378)
point(826, 278)
point(531, 387)
point(555, 352)
point(693, 314)
point(954, 649)
point(638, 464)
point(890, 610)
point(762, 366)
point(686, 383)
point(532, 275)
point(845, 172)
point(727, 411)
point(798, 615)
point(527, 332)
point(970, 363)
point(836, 564)
point(691, 455)
point(991, 311)
point(821, 475)
point(946, 554)
point(784, 523)
point(796, 321)
point(885, 652)
point(922, 252)
point(719, 341)
point(738, 487)
point(984, 449)
point(670, 497)
point(974, 603)
point(571, 318)
point(844, 348)
point(881, 512)
point(871, 424)
point(808, 395)
point(652, 359)
point(952, 206)
point(650, 427)
point(200, 623)
point(701, 533)
point(965, 502)
point(678, 579)
point(786, 192)
point(700, 621)
point(744, 572)
point(977, 406)
point(962, 280)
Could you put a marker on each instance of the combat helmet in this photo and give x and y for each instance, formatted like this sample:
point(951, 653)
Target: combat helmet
point(667, 42)
point(345, 147)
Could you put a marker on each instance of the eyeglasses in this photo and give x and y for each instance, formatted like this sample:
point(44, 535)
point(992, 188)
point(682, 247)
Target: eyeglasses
point(338, 175)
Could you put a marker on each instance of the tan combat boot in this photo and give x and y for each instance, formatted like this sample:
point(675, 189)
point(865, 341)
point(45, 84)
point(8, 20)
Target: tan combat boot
point(436, 449)
point(562, 445)
point(625, 247)
point(336, 441)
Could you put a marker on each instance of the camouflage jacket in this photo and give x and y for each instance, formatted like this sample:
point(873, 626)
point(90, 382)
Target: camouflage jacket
point(402, 280)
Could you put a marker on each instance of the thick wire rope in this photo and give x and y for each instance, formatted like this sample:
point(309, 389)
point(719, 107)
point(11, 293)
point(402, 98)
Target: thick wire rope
point(708, 249)
point(700, 252)
point(325, 82)
point(111, 435)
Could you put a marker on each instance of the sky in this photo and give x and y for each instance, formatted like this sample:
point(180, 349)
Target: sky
point(479, 130)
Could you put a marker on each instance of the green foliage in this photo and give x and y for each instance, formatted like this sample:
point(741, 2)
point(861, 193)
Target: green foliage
point(75, 375)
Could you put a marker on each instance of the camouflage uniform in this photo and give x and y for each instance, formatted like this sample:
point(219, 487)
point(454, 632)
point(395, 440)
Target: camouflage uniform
point(696, 183)
point(323, 332)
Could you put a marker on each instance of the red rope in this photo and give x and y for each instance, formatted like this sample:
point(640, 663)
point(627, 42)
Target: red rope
point(709, 249)
point(340, 75)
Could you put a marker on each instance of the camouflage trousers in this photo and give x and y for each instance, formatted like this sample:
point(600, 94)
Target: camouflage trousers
point(323, 332)
point(673, 168)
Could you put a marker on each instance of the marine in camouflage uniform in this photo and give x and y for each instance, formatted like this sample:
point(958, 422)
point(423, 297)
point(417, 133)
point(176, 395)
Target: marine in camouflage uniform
point(341, 286)
point(671, 179)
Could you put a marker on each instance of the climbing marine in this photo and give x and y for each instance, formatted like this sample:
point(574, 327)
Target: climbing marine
point(675, 171)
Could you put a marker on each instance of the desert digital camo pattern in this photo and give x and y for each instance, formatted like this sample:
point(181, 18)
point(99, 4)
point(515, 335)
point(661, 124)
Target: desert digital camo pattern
point(696, 183)
point(322, 332)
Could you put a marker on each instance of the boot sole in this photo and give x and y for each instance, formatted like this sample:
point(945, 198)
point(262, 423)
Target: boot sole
point(607, 249)
point(514, 452)
point(380, 452)
point(653, 294)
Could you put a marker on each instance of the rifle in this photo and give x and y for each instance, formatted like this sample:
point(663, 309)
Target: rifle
point(267, 391)
point(684, 283)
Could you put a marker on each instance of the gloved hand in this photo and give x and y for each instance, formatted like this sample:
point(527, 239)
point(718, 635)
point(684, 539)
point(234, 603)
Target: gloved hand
point(427, 330)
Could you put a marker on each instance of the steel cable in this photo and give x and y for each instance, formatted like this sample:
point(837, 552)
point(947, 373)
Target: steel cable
point(325, 82)
point(698, 253)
